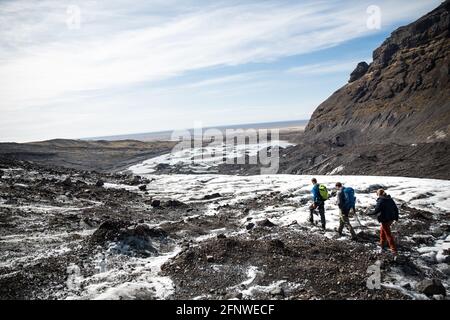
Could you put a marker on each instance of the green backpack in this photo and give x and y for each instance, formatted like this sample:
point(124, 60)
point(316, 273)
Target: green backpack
point(323, 191)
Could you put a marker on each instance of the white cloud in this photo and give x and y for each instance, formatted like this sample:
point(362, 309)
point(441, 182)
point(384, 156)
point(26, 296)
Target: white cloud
point(124, 43)
point(235, 78)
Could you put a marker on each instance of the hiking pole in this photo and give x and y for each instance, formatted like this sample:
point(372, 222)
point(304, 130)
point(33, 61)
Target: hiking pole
point(357, 219)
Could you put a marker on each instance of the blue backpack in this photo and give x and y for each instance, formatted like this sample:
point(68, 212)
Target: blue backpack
point(350, 199)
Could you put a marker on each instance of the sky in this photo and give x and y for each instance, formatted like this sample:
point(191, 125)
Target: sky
point(75, 69)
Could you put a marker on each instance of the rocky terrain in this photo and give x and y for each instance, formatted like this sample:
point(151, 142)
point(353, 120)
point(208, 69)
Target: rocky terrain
point(70, 234)
point(424, 160)
point(421, 161)
point(102, 156)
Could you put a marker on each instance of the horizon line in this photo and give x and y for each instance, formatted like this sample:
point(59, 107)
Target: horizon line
point(226, 126)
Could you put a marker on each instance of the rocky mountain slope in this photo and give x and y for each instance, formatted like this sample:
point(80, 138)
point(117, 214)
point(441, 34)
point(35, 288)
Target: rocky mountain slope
point(426, 160)
point(403, 96)
point(393, 117)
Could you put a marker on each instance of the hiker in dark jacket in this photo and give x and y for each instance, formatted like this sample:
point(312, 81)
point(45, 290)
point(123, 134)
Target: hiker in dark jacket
point(344, 212)
point(387, 212)
point(318, 203)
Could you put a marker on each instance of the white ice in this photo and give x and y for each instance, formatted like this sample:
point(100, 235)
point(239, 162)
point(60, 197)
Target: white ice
point(201, 160)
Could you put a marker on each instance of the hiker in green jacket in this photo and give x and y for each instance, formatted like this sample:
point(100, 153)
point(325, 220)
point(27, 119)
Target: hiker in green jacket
point(318, 202)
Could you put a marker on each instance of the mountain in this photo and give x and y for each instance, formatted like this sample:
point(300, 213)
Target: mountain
point(393, 116)
point(403, 96)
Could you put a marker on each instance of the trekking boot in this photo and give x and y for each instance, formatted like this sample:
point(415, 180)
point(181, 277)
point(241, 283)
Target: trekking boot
point(381, 250)
point(395, 256)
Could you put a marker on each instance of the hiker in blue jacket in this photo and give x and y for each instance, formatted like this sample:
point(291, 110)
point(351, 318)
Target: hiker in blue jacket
point(346, 203)
point(318, 203)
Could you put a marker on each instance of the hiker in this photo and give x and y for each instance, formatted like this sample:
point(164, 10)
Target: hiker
point(346, 202)
point(387, 212)
point(320, 195)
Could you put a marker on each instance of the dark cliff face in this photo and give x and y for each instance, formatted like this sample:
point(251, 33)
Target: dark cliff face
point(403, 96)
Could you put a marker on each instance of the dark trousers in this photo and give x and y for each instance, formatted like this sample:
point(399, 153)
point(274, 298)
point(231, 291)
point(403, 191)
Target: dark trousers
point(344, 221)
point(321, 207)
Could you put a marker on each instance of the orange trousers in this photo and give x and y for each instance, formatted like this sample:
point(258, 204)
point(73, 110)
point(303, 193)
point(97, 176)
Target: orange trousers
point(386, 236)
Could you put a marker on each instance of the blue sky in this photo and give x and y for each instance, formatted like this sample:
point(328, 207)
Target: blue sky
point(129, 67)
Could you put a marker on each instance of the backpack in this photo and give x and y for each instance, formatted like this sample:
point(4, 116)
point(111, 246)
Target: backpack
point(350, 199)
point(390, 210)
point(323, 191)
